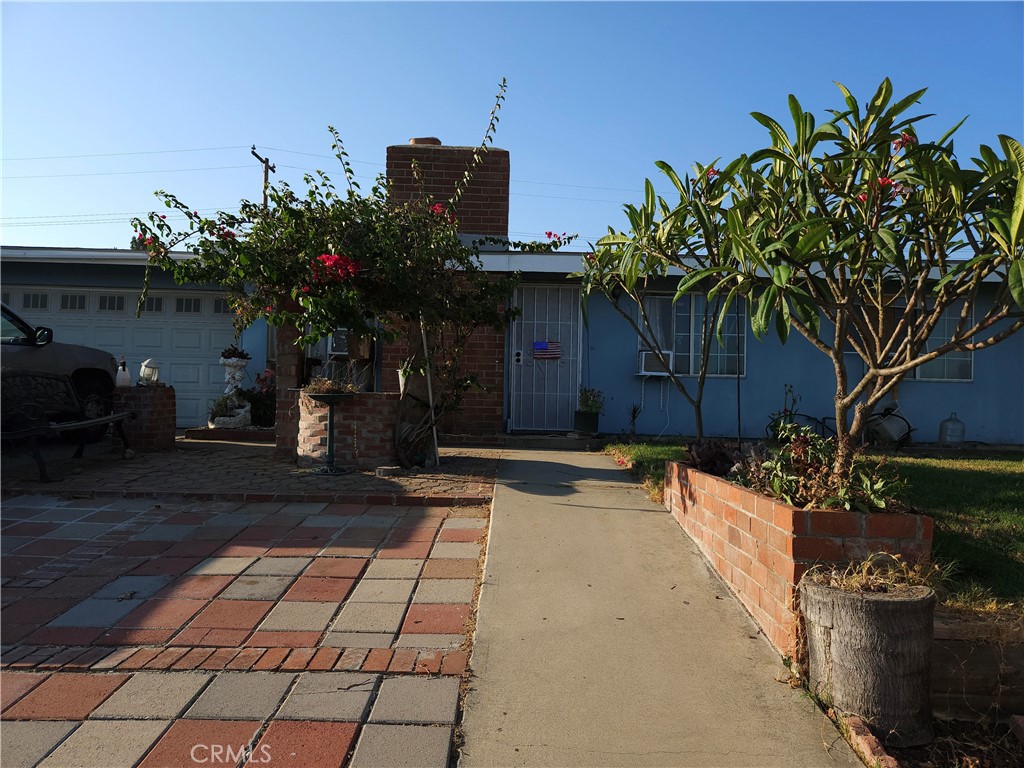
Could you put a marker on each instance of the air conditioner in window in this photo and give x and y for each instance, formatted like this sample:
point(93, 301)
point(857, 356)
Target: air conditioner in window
point(650, 365)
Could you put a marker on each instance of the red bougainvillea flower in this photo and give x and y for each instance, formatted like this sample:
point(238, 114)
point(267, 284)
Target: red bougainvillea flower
point(884, 181)
point(437, 209)
point(711, 173)
point(162, 216)
point(863, 197)
point(269, 309)
point(332, 267)
point(905, 140)
point(549, 234)
point(305, 289)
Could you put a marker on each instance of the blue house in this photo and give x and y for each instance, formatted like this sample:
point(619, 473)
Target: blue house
point(746, 378)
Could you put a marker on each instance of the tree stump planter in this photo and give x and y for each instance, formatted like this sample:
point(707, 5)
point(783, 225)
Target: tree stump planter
point(870, 655)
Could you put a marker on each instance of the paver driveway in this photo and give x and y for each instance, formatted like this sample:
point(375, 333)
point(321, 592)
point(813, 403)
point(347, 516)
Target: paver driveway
point(144, 633)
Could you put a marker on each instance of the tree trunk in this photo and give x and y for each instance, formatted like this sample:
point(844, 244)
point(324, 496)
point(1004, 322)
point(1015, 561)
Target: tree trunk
point(870, 655)
point(698, 419)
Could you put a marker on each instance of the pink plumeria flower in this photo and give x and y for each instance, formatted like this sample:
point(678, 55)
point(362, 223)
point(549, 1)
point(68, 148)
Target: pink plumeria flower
point(711, 173)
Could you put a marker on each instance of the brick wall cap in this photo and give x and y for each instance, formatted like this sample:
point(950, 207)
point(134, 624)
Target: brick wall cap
point(425, 140)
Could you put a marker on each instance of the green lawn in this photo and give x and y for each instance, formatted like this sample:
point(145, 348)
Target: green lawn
point(977, 502)
point(978, 506)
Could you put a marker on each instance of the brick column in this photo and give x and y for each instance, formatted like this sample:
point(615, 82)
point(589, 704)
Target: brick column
point(155, 409)
point(289, 377)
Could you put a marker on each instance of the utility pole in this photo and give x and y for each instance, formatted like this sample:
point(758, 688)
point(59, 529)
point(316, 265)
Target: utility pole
point(267, 170)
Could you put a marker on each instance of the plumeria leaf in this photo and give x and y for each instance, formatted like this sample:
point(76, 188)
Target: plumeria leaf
point(1015, 153)
point(1015, 276)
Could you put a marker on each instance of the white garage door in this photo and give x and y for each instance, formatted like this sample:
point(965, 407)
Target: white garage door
point(184, 331)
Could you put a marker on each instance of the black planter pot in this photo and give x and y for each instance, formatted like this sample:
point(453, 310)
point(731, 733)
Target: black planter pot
point(586, 421)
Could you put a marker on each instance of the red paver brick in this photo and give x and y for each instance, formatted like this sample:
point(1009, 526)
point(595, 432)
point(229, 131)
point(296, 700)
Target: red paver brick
point(31, 529)
point(195, 587)
point(262, 534)
point(48, 547)
point(404, 535)
point(403, 661)
point(352, 658)
point(297, 744)
point(36, 657)
point(225, 638)
point(87, 659)
point(188, 743)
point(192, 549)
point(58, 660)
point(233, 614)
point(410, 550)
point(114, 657)
point(172, 566)
point(33, 611)
point(428, 662)
point(15, 633)
point(65, 696)
point(298, 659)
point(162, 614)
point(166, 658)
point(192, 659)
point(241, 549)
point(462, 534)
point(111, 566)
point(324, 659)
point(344, 509)
point(293, 550)
point(140, 658)
point(319, 589)
point(284, 639)
point(442, 568)
point(146, 548)
point(64, 636)
point(337, 567)
point(219, 659)
point(14, 685)
point(455, 663)
point(272, 658)
point(131, 636)
point(434, 619)
point(246, 658)
point(377, 660)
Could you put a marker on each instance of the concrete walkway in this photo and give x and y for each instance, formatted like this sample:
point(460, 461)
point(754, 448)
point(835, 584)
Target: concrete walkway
point(603, 638)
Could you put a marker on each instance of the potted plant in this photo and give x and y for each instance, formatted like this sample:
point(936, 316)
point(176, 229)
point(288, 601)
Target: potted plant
point(588, 412)
point(869, 640)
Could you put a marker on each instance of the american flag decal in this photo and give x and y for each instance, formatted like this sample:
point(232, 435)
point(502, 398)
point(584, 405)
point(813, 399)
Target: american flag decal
point(547, 350)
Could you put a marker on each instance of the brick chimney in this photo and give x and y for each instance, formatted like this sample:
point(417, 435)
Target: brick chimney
point(483, 209)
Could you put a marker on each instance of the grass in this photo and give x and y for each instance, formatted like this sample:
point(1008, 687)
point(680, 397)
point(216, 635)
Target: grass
point(978, 505)
point(977, 501)
point(647, 460)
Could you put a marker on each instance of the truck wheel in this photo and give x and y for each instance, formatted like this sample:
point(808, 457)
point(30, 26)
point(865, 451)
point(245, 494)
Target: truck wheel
point(96, 398)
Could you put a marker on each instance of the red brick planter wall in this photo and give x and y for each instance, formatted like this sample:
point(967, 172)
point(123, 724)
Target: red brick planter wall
point(761, 547)
point(364, 429)
point(155, 409)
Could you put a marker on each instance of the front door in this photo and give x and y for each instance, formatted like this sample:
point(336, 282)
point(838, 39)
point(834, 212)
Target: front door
point(545, 358)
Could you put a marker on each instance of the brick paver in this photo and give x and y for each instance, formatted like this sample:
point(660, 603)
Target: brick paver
point(136, 628)
point(297, 744)
point(402, 746)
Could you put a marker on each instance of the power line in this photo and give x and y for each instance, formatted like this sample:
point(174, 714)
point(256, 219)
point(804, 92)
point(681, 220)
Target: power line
point(129, 173)
point(94, 215)
point(261, 146)
point(119, 154)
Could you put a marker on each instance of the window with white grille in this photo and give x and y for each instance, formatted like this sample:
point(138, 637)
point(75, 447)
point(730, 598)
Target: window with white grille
point(111, 303)
point(72, 302)
point(188, 305)
point(35, 301)
point(678, 331)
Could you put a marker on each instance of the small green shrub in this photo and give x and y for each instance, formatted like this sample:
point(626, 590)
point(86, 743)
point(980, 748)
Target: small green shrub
point(799, 471)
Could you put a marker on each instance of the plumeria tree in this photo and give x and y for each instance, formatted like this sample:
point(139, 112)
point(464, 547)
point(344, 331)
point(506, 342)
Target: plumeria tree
point(689, 240)
point(906, 252)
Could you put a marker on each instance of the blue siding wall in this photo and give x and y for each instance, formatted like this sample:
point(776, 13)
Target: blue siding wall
point(991, 406)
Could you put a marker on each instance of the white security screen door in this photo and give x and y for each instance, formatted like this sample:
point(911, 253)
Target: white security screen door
point(545, 358)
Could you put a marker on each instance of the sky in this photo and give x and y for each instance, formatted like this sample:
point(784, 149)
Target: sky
point(102, 104)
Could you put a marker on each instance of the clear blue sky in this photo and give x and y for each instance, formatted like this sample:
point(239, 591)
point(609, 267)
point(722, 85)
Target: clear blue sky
point(597, 93)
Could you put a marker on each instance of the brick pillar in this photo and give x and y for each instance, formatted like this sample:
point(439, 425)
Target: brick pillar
point(483, 209)
point(289, 377)
point(155, 409)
